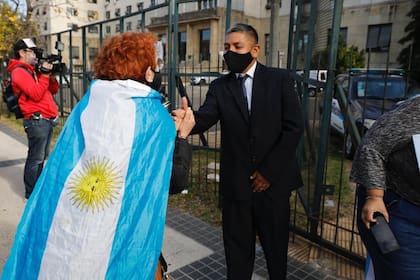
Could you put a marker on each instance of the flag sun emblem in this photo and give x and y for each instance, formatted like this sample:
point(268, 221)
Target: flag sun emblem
point(96, 185)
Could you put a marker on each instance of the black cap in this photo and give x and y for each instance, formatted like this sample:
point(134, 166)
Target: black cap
point(25, 43)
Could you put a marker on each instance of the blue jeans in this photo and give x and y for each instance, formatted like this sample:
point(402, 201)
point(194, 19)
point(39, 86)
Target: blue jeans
point(404, 221)
point(39, 134)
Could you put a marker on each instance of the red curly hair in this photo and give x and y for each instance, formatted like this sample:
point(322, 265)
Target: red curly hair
point(126, 56)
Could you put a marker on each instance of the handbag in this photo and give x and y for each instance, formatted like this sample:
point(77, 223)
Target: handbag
point(161, 270)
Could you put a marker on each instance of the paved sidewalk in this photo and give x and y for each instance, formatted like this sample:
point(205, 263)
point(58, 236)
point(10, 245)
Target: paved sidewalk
point(192, 248)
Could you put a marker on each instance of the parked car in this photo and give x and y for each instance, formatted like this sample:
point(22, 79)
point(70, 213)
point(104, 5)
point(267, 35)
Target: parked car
point(369, 93)
point(206, 78)
point(315, 76)
point(203, 78)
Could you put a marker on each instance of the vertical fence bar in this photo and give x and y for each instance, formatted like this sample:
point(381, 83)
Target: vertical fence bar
point(325, 119)
point(291, 32)
point(228, 9)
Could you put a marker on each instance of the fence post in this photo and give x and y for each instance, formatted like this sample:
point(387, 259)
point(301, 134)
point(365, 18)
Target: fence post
point(325, 121)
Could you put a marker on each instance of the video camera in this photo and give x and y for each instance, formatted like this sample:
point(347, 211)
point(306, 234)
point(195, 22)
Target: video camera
point(54, 59)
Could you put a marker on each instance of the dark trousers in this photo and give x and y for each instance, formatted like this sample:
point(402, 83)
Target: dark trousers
point(242, 221)
point(404, 221)
point(39, 134)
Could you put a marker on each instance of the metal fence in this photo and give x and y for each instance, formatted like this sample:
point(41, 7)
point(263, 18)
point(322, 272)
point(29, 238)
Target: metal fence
point(323, 210)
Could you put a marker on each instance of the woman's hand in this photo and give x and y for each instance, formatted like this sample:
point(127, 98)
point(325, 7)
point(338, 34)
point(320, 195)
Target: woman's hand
point(374, 203)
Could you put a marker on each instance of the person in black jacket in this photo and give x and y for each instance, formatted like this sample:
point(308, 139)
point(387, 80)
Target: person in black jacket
point(261, 126)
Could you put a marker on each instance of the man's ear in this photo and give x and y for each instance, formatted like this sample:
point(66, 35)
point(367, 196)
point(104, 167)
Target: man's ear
point(149, 75)
point(255, 51)
point(21, 53)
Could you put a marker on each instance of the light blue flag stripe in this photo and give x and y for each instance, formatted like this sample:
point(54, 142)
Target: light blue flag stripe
point(148, 240)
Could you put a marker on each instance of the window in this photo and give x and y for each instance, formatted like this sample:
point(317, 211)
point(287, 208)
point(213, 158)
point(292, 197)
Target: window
point(75, 52)
point(342, 35)
point(204, 44)
point(139, 24)
point(152, 3)
point(117, 27)
point(108, 29)
point(129, 26)
point(182, 45)
point(92, 15)
point(71, 12)
point(93, 29)
point(117, 12)
point(206, 4)
point(379, 37)
point(92, 1)
point(163, 39)
point(267, 44)
point(140, 5)
point(107, 14)
point(128, 10)
point(44, 11)
point(45, 26)
point(93, 52)
point(37, 12)
point(303, 41)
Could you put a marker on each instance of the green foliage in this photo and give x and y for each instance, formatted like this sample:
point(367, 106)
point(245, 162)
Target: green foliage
point(13, 26)
point(409, 56)
point(347, 57)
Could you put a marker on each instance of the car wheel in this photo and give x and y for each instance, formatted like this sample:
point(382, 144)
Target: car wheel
point(202, 82)
point(349, 147)
point(312, 92)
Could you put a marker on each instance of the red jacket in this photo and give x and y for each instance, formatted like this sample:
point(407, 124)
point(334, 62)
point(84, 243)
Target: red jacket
point(37, 90)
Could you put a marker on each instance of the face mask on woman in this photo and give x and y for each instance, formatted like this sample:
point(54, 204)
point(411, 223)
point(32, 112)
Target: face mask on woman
point(157, 81)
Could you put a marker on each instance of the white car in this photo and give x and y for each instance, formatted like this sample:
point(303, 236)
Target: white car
point(203, 78)
point(206, 78)
point(316, 77)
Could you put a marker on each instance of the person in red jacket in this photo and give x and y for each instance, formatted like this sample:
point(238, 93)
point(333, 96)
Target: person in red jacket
point(35, 90)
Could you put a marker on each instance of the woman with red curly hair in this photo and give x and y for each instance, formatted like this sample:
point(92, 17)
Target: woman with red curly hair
point(128, 56)
point(98, 210)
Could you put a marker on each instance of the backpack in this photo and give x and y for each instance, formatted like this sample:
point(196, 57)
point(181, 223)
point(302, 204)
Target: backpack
point(11, 99)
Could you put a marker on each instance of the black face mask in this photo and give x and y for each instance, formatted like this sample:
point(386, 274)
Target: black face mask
point(237, 62)
point(157, 81)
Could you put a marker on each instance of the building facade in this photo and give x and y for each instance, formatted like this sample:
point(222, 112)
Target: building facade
point(372, 25)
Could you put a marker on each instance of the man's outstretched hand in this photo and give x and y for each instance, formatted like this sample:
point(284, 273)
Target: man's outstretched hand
point(183, 118)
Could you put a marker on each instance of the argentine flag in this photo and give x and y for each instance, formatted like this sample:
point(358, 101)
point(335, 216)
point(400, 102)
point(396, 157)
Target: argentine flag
point(98, 209)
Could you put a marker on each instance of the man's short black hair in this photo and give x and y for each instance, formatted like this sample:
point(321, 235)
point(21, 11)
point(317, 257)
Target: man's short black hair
point(242, 27)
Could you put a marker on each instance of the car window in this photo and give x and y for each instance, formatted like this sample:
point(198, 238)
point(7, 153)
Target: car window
point(381, 88)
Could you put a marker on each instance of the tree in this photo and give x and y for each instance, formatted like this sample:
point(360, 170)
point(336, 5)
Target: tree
point(13, 26)
point(347, 57)
point(409, 57)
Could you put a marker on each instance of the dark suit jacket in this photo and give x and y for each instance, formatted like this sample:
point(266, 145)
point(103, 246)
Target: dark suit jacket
point(265, 140)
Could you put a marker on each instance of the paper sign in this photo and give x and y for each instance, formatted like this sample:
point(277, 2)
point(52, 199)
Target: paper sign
point(416, 141)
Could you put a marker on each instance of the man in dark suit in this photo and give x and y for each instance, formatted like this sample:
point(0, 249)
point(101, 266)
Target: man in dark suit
point(261, 125)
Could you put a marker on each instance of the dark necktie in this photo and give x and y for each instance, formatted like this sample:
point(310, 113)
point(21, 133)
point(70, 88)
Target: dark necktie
point(242, 79)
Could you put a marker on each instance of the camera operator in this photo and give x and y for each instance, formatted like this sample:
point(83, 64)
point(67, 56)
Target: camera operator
point(35, 86)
